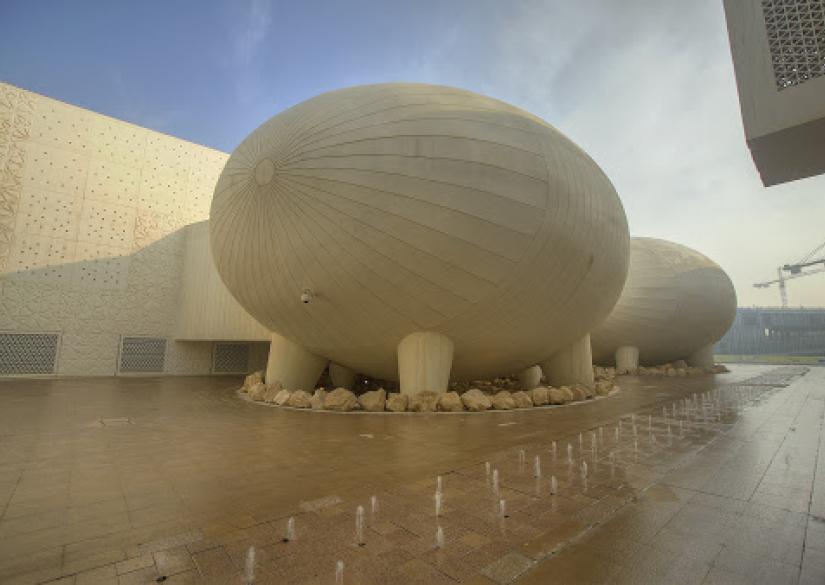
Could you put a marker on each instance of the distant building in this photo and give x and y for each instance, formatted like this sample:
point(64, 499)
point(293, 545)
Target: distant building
point(778, 49)
point(775, 331)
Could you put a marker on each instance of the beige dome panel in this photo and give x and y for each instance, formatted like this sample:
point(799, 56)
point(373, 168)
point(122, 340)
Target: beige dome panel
point(675, 303)
point(408, 208)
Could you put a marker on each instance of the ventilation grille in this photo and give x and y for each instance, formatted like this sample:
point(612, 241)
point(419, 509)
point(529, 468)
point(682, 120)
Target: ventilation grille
point(230, 358)
point(142, 354)
point(796, 36)
point(28, 353)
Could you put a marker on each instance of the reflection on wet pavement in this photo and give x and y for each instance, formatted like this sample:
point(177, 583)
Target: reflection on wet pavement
point(697, 480)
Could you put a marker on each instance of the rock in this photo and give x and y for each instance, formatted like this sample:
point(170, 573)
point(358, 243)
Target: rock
point(522, 400)
point(475, 400)
point(253, 379)
point(450, 402)
point(300, 399)
point(603, 387)
point(503, 401)
point(424, 402)
point(397, 402)
point(340, 400)
point(589, 393)
point(272, 391)
point(540, 396)
point(578, 394)
point(680, 364)
point(719, 369)
point(317, 400)
point(282, 397)
point(559, 396)
point(257, 391)
point(373, 401)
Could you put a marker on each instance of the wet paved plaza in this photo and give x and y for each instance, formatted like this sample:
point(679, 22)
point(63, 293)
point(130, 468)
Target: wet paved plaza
point(704, 480)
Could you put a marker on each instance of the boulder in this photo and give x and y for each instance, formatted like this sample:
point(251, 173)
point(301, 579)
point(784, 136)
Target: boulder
point(340, 400)
point(424, 402)
point(253, 379)
point(603, 387)
point(272, 391)
point(719, 369)
point(300, 399)
point(373, 401)
point(557, 396)
point(568, 394)
point(589, 392)
point(282, 397)
point(578, 393)
point(680, 364)
point(522, 400)
point(540, 396)
point(317, 400)
point(475, 400)
point(397, 402)
point(450, 402)
point(257, 391)
point(503, 401)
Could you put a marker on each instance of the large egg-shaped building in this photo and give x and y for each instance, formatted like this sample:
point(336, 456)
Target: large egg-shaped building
point(675, 305)
point(424, 228)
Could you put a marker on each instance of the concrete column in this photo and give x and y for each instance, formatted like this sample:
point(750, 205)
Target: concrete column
point(573, 365)
point(341, 377)
point(702, 357)
point(530, 378)
point(424, 362)
point(627, 359)
point(293, 366)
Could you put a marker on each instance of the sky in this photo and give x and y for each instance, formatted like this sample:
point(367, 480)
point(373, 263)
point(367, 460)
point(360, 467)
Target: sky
point(646, 87)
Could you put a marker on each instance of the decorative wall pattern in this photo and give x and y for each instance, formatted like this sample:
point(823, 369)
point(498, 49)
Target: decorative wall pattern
point(91, 239)
point(796, 37)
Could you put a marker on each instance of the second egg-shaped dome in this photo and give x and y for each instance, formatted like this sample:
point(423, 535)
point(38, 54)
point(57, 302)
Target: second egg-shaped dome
point(409, 207)
point(676, 302)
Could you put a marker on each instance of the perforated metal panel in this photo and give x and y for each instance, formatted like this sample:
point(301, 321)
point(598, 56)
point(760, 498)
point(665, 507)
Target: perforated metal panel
point(142, 354)
point(796, 36)
point(28, 353)
point(230, 358)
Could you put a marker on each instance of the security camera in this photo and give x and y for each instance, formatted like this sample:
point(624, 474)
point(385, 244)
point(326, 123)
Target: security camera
point(306, 296)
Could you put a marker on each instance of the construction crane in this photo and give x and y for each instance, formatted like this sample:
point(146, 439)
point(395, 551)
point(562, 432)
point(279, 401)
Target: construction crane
point(796, 270)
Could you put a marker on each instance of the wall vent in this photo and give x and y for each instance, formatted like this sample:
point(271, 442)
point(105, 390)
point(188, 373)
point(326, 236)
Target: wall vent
point(230, 358)
point(28, 353)
point(142, 355)
point(796, 37)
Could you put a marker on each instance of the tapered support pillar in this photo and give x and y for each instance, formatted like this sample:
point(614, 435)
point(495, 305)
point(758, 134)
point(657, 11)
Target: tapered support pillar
point(627, 359)
point(341, 377)
point(573, 365)
point(530, 378)
point(424, 362)
point(701, 358)
point(292, 365)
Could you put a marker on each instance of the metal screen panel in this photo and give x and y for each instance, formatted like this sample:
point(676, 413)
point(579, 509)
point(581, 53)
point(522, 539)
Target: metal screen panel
point(142, 354)
point(796, 37)
point(230, 358)
point(28, 353)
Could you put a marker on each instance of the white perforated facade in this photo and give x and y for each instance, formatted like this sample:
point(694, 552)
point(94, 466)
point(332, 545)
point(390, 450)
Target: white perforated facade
point(92, 238)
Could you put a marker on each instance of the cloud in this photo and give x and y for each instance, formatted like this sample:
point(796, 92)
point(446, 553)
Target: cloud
point(249, 32)
point(648, 89)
